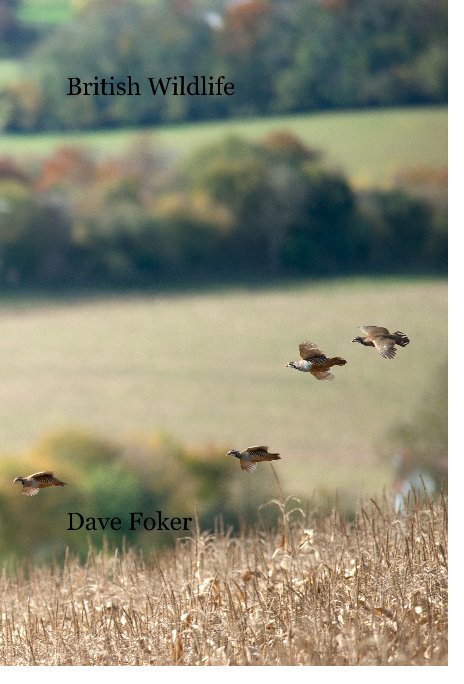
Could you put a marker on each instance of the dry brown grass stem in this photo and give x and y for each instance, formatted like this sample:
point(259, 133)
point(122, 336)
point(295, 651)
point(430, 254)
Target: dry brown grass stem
point(372, 591)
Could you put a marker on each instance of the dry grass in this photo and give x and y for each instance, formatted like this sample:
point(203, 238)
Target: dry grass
point(318, 591)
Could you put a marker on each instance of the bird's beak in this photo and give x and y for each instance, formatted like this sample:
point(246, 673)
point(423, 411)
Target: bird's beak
point(16, 480)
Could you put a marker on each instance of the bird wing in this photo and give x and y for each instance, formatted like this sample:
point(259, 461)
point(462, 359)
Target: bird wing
point(257, 454)
point(30, 491)
point(322, 375)
point(385, 347)
point(42, 473)
point(247, 466)
point(310, 351)
point(44, 477)
point(373, 330)
point(257, 450)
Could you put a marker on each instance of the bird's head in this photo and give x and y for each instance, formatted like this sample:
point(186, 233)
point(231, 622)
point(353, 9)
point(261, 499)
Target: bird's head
point(233, 452)
point(19, 479)
point(357, 339)
point(290, 364)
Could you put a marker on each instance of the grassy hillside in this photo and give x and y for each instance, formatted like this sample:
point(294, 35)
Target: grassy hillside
point(51, 11)
point(318, 592)
point(47, 11)
point(370, 146)
point(210, 368)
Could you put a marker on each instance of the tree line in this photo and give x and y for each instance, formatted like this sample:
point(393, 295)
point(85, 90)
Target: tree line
point(281, 55)
point(233, 209)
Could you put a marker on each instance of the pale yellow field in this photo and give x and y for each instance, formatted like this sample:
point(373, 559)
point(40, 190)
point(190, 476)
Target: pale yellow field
point(210, 369)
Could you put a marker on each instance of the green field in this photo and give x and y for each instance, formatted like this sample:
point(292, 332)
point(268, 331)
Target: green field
point(370, 146)
point(210, 369)
point(47, 11)
point(50, 11)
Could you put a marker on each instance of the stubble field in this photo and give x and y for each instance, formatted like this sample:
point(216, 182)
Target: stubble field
point(318, 591)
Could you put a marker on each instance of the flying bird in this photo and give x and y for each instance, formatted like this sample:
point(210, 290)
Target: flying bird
point(315, 362)
point(32, 483)
point(251, 456)
point(382, 340)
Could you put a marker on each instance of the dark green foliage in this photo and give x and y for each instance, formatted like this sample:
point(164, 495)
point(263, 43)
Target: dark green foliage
point(288, 213)
point(235, 209)
point(325, 236)
point(34, 237)
point(403, 231)
point(281, 55)
point(15, 36)
point(353, 52)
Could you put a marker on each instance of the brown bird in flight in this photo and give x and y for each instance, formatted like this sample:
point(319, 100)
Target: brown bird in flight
point(32, 483)
point(251, 456)
point(382, 340)
point(315, 362)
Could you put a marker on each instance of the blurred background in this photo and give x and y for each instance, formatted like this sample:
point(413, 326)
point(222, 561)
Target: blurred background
point(161, 258)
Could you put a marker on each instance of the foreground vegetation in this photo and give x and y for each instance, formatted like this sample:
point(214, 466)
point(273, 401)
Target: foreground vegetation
point(318, 590)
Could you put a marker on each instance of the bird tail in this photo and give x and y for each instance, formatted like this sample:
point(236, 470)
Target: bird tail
point(59, 484)
point(274, 457)
point(337, 361)
point(401, 339)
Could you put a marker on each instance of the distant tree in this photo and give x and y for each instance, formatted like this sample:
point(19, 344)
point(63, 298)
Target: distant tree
point(401, 229)
point(128, 39)
point(288, 213)
point(236, 208)
point(9, 24)
point(281, 55)
point(16, 36)
point(354, 52)
point(254, 44)
point(34, 238)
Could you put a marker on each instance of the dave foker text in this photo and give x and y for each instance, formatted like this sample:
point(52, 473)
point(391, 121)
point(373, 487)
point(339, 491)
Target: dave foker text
point(136, 521)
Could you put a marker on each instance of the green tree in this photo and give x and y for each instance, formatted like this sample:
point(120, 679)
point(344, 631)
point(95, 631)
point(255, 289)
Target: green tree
point(288, 212)
point(353, 52)
point(34, 237)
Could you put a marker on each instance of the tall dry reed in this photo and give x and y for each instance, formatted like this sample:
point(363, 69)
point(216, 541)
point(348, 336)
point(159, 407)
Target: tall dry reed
point(319, 590)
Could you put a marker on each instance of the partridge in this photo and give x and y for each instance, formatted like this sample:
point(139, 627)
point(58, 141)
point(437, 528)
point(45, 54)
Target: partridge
point(315, 362)
point(382, 340)
point(251, 456)
point(32, 483)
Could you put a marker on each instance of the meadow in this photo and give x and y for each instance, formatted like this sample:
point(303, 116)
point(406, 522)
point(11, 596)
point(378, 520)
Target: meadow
point(317, 591)
point(48, 11)
point(209, 369)
point(372, 147)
